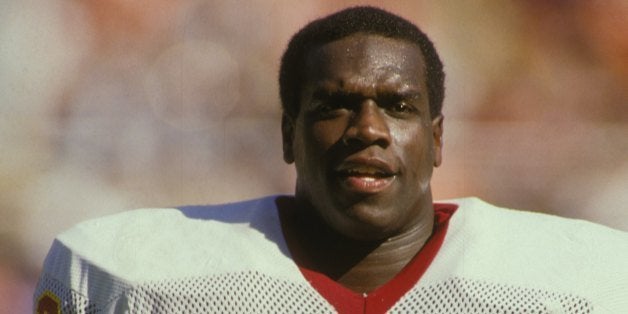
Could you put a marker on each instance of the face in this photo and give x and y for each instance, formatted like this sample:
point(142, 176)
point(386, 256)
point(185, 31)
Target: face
point(363, 143)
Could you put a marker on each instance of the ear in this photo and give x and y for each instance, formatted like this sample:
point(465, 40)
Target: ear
point(437, 133)
point(287, 134)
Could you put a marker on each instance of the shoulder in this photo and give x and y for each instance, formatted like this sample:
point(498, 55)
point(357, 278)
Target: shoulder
point(138, 219)
point(527, 249)
point(96, 262)
point(154, 224)
point(482, 217)
point(145, 243)
point(483, 225)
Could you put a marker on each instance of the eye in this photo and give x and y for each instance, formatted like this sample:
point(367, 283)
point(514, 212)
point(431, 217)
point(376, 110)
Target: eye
point(402, 107)
point(328, 106)
point(399, 106)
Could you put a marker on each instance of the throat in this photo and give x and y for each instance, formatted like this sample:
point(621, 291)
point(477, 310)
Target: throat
point(385, 261)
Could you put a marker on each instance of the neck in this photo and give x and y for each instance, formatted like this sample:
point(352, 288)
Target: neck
point(385, 260)
point(361, 266)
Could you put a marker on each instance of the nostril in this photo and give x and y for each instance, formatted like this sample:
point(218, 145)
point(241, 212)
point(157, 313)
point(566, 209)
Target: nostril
point(366, 135)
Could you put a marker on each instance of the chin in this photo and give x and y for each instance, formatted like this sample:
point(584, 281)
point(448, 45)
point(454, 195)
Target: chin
point(369, 224)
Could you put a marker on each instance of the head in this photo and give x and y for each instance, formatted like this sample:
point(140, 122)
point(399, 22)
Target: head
point(367, 20)
point(362, 92)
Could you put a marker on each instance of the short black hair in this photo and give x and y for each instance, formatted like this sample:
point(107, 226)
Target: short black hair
point(363, 19)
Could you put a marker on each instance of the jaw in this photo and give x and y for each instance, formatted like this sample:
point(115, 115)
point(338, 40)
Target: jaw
point(365, 217)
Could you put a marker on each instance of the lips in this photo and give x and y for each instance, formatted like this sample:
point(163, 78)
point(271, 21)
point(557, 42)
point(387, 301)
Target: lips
point(366, 175)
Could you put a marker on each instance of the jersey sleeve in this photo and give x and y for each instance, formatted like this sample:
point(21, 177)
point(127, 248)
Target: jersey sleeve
point(70, 283)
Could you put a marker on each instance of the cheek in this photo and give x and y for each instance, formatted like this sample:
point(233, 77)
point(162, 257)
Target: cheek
point(313, 141)
point(326, 133)
point(415, 148)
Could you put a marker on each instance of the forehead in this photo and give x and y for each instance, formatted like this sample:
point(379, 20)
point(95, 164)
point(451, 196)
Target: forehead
point(373, 59)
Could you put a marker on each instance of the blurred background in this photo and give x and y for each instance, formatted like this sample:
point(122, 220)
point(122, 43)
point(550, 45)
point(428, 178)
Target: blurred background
point(111, 105)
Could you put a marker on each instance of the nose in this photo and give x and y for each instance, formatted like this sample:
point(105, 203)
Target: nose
point(367, 126)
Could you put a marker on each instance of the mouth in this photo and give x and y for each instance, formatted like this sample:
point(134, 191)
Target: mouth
point(366, 176)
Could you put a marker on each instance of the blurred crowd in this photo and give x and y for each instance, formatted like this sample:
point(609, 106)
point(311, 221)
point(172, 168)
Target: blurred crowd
point(111, 105)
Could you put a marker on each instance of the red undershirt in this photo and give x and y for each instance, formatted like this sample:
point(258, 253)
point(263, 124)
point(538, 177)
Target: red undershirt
point(383, 298)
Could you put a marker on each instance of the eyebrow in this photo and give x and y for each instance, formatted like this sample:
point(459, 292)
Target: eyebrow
point(327, 91)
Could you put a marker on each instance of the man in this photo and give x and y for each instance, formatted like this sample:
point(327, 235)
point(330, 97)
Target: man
point(362, 92)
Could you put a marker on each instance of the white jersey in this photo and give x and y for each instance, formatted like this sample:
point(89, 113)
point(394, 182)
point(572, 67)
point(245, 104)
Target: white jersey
point(234, 259)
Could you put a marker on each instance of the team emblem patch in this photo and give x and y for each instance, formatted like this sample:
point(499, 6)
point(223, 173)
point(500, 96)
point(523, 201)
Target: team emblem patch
point(48, 303)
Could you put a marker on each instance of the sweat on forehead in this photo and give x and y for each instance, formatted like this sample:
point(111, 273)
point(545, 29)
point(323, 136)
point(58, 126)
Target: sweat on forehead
point(347, 22)
point(379, 61)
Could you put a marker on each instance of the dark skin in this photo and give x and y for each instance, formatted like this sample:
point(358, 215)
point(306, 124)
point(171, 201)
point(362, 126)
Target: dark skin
point(364, 146)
